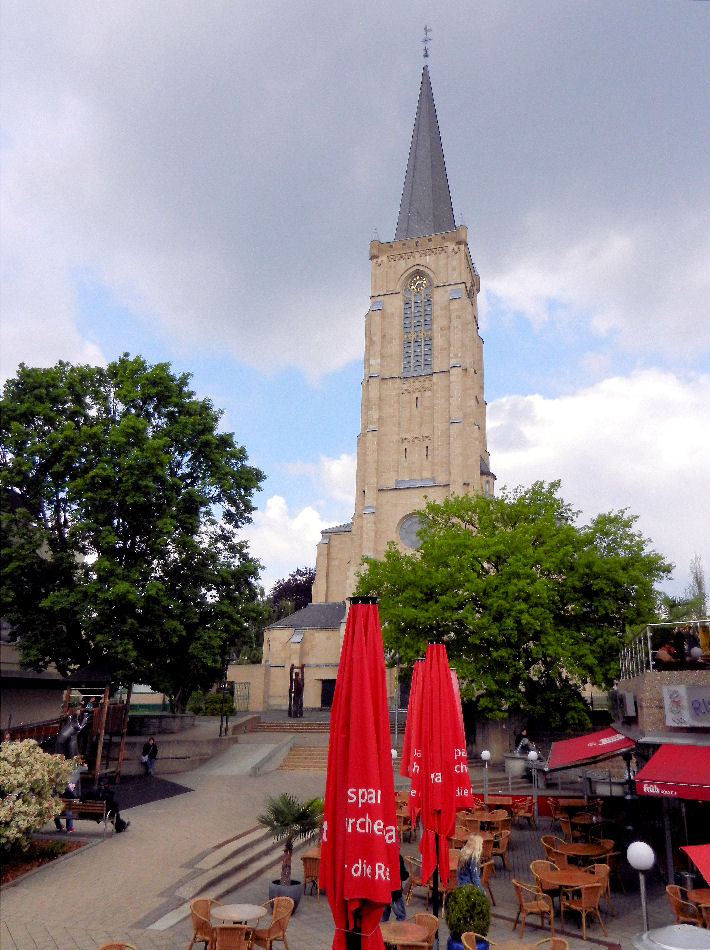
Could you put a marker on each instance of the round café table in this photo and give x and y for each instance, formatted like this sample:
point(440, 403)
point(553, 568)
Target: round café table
point(395, 932)
point(582, 850)
point(565, 877)
point(237, 913)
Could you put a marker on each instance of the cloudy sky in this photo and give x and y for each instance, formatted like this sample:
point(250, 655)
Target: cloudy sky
point(198, 182)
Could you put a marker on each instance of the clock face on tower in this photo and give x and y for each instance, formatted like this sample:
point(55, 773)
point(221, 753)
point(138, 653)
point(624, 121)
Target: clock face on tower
point(417, 283)
point(409, 531)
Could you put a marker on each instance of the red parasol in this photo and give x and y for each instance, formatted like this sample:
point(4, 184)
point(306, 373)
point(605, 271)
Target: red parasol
point(442, 785)
point(359, 866)
point(699, 854)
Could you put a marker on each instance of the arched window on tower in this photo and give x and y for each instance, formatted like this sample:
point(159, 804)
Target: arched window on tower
point(416, 326)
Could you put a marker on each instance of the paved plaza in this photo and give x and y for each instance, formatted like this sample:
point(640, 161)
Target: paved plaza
point(126, 887)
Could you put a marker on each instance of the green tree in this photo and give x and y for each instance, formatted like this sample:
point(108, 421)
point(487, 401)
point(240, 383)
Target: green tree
point(693, 604)
point(530, 605)
point(122, 504)
point(292, 593)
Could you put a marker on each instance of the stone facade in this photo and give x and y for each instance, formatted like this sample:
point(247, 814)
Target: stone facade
point(423, 413)
point(647, 689)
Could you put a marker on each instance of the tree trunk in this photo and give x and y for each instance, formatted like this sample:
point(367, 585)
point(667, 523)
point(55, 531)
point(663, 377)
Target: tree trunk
point(286, 866)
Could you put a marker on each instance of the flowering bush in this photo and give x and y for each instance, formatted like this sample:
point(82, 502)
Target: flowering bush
point(29, 778)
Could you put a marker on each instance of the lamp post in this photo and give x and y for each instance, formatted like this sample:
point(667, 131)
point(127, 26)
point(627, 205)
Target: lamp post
point(486, 756)
point(641, 857)
point(532, 759)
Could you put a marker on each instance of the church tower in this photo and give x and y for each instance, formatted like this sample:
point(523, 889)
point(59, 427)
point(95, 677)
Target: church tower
point(423, 414)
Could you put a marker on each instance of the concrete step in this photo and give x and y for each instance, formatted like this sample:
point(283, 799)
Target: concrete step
point(293, 725)
point(306, 757)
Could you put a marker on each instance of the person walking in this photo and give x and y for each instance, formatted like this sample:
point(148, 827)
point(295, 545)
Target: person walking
point(150, 754)
point(468, 871)
point(397, 902)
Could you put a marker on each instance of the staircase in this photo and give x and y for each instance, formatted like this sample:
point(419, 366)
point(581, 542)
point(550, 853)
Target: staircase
point(306, 757)
point(292, 725)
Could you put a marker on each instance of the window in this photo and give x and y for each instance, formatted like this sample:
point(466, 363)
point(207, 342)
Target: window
point(416, 326)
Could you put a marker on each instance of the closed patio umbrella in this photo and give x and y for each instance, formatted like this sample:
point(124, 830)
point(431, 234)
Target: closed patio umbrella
point(442, 783)
point(359, 853)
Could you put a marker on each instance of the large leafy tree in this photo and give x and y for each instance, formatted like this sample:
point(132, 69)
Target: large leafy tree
point(121, 510)
point(294, 592)
point(531, 605)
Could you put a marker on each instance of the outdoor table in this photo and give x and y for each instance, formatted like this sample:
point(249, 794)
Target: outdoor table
point(586, 822)
point(237, 913)
point(395, 932)
point(582, 850)
point(699, 895)
point(564, 879)
point(572, 804)
point(515, 945)
point(502, 801)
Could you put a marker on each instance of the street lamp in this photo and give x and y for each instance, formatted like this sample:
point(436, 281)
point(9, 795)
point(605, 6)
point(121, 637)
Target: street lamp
point(641, 857)
point(532, 759)
point(486, 756)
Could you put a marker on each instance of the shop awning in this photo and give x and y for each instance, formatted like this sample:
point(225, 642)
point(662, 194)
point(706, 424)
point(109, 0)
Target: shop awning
point(699, 854)
point(584, 750)
point(676, 771)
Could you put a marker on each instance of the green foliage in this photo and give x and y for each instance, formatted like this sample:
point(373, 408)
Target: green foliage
point(122, 504)
point(467, 908)
point(289, 819)
point(530, 605)
point(292, 593)
point(210, 704)
point(28, 800)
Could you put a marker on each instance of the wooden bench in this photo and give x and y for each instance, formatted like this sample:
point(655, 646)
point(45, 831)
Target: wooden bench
point(91, 811)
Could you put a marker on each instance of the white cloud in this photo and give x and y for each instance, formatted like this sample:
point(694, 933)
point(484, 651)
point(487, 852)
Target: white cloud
point(641, 443)
point(283, 541)
point(333, 476)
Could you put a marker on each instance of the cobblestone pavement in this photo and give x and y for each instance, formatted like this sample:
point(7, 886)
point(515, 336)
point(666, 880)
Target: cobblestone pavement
point(119, 888)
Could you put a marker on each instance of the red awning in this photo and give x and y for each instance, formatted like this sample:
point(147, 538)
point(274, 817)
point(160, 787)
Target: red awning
point(587, 749)
point(676, 771)
point(699, 854)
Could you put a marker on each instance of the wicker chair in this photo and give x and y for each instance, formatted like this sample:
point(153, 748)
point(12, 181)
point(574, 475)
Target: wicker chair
point(404, 824)
point(113, 945)
point(536, 867)
point(554, 943)
point(500, 847)
point(485, 870)
point(555, 812)
point(549, 842)
point(311, 870)
point(602, 873)
point(414, 866)
point(469, 940)
point(532, 901)
point(428, 922)
point(565, 827)
point(705, 914)
point(202, 929)
point(558, 857)
point(585, 900)
point(685, 911)
point(281, 910)
point(524, 809)
point(232, 937)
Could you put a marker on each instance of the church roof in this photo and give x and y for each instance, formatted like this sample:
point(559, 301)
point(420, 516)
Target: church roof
point(426, 201)
point(316, 616)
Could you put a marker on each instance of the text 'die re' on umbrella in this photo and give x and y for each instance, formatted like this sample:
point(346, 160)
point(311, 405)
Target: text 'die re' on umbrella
point(359, 866)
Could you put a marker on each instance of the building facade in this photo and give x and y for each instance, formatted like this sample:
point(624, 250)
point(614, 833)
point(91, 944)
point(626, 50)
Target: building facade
point(423, 412)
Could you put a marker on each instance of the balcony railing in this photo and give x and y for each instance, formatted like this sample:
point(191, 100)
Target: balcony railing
point(684, 645)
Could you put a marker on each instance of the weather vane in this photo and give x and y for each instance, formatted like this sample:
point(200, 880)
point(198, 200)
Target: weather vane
point(426, 41)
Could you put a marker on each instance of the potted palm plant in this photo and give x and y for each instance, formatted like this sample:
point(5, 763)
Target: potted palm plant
point(467, 908)
point(290, 819)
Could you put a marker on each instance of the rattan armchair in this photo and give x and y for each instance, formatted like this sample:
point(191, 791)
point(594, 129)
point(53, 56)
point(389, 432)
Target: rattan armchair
point(554, 943)
point(532, 901)
point(202, 929)
point(524, 809)
point(428, 922)
point(311, 871)
point(685, 911)
point(281, 910)
point(120, 945)
point(414, 866)
point(500, 847)
point(469, 939)
point(585, 900)
point(232, 937)
point(485, 871)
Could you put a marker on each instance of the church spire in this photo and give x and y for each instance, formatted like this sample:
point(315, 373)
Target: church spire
point(426, 201)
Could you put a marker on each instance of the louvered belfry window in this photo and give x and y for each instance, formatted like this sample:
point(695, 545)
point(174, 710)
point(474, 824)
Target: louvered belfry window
point(416, 326)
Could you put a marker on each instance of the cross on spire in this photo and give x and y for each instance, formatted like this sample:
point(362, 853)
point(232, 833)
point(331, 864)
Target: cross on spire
point(426, 41)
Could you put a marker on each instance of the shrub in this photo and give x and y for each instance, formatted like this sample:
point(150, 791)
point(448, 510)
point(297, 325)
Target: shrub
point(210, 704)
point(29, 778)
point(468, 908)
